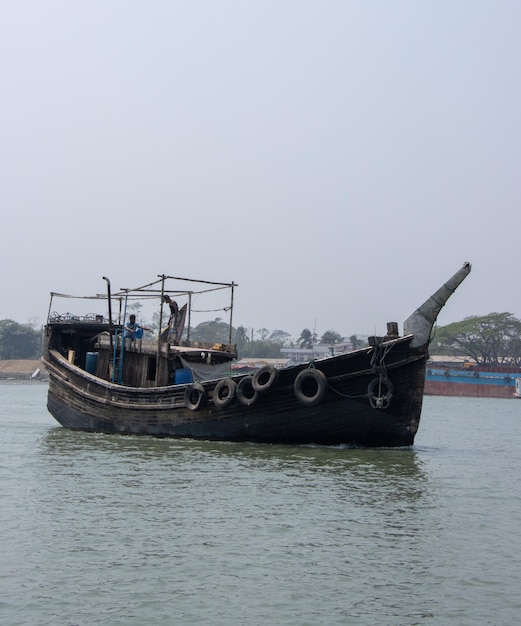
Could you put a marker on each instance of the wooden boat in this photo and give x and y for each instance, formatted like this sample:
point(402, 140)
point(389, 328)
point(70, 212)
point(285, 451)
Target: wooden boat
point(170, 388)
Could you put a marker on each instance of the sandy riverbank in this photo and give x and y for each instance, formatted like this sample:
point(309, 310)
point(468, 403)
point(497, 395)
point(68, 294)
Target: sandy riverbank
point(21, 369)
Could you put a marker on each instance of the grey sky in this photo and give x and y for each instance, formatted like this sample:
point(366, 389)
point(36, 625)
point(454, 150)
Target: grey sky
point(338, 160)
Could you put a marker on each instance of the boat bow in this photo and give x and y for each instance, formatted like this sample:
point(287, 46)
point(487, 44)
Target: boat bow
point(420, 323)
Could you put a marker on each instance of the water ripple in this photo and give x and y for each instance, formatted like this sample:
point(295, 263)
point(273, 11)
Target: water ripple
point(112, 530)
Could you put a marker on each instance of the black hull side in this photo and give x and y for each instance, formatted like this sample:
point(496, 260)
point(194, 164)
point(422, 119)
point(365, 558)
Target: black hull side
point(345, 416)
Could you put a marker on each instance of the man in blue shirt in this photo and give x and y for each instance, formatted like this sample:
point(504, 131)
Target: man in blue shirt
point(133, 330)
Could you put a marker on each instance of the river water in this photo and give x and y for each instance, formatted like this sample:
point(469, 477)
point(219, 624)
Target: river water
point(110, 530)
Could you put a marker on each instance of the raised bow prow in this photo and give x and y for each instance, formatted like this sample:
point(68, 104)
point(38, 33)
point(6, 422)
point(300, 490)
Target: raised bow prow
point(420, 323)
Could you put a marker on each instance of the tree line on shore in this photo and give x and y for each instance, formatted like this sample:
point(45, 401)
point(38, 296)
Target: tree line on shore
point(487, 339)
point(25, 341)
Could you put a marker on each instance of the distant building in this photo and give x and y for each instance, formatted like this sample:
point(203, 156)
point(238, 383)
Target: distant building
point(291, 356)
point(251, 364)
point(319, 351)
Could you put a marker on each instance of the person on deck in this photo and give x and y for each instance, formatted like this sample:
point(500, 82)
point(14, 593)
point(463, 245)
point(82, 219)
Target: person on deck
point(174, 310)
point(171, 328)
point(133, 330)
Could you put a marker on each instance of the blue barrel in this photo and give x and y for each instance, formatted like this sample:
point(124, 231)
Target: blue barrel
point(183, 376)
point(91, 362)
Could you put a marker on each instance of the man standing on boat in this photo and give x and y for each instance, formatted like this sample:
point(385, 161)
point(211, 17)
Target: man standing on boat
point(174, 310)
point(172, 329)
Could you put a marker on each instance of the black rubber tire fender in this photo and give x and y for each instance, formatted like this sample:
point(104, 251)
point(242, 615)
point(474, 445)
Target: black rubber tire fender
point(246, 393)
point(195, 397)
point(378, 385)
point(265, 378)
point(310, 380)
point(224, 392)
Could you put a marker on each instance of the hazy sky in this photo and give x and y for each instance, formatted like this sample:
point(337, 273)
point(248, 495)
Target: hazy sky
point(339, 160)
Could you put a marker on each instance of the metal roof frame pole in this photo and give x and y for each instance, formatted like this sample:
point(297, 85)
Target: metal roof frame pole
point(158, 352)
point(231, 314)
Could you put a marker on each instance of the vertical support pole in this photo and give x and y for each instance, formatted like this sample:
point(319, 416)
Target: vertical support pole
point(120, 361)
point(189, 315)
point(50, 307)
point(231, 314)
point(158, 351)
point(110, 312)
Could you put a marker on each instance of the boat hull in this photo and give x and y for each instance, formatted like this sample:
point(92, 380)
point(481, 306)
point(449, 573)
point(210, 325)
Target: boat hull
point(345, 414)
point(113, 382)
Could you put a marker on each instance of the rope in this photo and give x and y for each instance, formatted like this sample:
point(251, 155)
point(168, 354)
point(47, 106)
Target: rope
point(378, 359)
point(346, 395)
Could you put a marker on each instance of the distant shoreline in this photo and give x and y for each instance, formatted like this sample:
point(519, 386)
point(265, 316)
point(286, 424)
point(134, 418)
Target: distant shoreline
point(21, 370)
point(23, 381)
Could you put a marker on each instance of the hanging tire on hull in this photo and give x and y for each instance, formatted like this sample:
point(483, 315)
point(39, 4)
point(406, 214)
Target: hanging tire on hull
point(195, 397)
point(310, 387)
point(224, 393)
point(380, 392)
point(246, 393)
point(265, 378)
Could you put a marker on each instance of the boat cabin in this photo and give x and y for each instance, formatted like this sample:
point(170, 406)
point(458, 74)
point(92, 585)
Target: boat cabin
point(106, 349)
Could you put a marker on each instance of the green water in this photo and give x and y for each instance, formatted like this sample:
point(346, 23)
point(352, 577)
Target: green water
point(110, 530)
